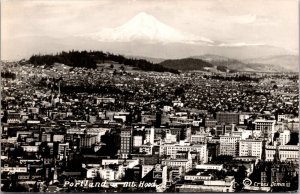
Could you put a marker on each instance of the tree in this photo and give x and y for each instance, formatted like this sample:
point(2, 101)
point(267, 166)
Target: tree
point(179, 91)
point(9, 75)
point(90, 59)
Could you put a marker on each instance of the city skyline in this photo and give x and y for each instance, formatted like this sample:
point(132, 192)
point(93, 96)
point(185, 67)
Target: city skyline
point(107, 96)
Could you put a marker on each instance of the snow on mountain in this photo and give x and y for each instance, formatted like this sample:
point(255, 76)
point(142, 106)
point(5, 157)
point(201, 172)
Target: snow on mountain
point(145, 27)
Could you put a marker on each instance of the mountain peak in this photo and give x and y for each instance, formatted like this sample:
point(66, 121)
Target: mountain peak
point(145, 27)
point(143, 15)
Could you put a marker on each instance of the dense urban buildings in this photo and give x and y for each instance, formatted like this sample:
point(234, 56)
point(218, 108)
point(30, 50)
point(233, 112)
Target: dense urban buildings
point(117, 129)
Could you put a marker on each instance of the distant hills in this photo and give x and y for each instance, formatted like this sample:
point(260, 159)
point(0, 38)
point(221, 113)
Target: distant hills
point(92, 58)
point(229, 63)
point(150, 59)
point(282, 63)
point(187, 64)
point(207, 62)
point(164, 48)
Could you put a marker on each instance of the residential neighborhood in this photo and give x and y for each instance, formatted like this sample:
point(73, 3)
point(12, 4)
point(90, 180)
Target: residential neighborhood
point(118, 129)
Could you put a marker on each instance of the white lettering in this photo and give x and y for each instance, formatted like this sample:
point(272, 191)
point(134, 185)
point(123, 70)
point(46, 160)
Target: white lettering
point(66, 183)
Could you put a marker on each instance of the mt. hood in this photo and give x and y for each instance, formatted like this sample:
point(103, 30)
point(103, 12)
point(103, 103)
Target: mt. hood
point(145, 27)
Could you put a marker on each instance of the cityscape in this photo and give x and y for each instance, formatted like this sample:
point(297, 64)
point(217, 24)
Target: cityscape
point(187, 132)
point(90, 120)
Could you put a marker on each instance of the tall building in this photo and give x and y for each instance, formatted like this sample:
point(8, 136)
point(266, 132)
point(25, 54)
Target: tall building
point(158, 119)
point(188, 133)
point(210, 123)
point(229, 145)
point(185, 163)
point(243, 117)
point(126, 143)
point(149, 136)
point(178, 131)
point(285, 152)
point(250, 147)
point(137, 141)
point(13, 117)
point(172, 150)
point(160, 175)
point(87, 140)
point(227, 117)
point(277, 175)
point(199, 138)
point(63, 150)
point(282, 117)
point(264, 128)
point(222, 129)
point(284, 137)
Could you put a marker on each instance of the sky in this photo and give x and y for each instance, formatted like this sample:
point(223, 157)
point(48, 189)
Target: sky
point(270, 22)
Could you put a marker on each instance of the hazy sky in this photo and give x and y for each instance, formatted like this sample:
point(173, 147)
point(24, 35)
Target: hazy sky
point(271, 22)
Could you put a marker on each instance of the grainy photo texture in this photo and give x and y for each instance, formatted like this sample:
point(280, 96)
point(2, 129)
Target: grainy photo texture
point(149, 96)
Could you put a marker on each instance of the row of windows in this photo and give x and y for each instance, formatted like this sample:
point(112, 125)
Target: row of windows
point(183, 149)
point(175, 163)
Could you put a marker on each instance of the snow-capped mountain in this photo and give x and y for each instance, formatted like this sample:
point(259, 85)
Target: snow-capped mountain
point(142, 35)
point(146, 27)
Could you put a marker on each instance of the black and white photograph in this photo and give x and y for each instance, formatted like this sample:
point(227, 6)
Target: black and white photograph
point(173, 96)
